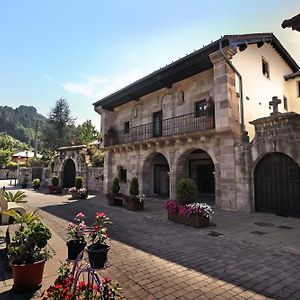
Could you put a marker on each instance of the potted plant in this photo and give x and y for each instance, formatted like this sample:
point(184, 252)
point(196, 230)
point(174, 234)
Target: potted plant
point(67, 287)
point(27, 251)
point(55, 188)
point(135, 201)
point(115, 197)
point(36, 183)
point(185, 210)
point(78, 191)
point(98, 249)
point(25, 181)
point(76, 236)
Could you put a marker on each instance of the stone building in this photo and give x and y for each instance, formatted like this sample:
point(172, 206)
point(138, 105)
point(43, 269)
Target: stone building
point(190, 119)
point(75, 161)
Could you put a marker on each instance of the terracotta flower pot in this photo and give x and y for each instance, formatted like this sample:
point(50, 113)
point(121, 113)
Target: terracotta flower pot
point(27, 277)
point(97, 255)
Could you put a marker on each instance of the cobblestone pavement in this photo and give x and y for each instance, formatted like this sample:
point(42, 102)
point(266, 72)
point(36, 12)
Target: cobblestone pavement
point(153, 258)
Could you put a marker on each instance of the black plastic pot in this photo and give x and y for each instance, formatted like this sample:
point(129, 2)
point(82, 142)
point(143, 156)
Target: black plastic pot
point(74, 249)
point(97, 255)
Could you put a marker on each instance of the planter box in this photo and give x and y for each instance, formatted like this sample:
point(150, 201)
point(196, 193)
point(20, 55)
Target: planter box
point(115, 200)
point(133, 204)
point(193, 220)
point(55, 189)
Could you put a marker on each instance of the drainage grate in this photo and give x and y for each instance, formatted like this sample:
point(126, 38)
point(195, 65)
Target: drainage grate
point(263, 224)
point(284, 227)
point(258, 232)
point(214, 233)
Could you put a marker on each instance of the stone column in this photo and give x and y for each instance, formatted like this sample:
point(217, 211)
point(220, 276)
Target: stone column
point(228, 125)
point(107, 171)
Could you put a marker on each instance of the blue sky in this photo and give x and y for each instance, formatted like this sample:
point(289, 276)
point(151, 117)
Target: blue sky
point(84, 50)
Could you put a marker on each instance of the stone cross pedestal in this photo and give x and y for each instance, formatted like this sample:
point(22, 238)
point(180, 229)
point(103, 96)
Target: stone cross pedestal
point(274, 103)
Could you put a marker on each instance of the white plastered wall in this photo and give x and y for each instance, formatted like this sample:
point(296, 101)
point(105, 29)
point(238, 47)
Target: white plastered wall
point(258, 87)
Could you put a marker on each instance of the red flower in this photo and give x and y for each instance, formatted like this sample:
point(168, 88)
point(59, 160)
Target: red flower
point(100, 215)
point(82, 286)
point(106, 280)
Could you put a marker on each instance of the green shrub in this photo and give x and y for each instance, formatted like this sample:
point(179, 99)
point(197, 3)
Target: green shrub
point(11, 165)
point(134, 187)
point(98, 159)
point(115, 188)
point(55, 181)
point(186, 191)
point(36, 181)
point(78, 182)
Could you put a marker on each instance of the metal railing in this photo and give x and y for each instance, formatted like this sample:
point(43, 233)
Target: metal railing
point(187, 123)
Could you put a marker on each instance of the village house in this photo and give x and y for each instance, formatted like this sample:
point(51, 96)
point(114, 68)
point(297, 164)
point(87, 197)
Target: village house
point(191, 119)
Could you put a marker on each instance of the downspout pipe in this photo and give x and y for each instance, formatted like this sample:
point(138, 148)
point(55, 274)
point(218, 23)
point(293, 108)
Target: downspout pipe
point(241, 88)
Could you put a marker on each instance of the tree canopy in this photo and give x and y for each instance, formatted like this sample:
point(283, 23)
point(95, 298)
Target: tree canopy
point(86, 133)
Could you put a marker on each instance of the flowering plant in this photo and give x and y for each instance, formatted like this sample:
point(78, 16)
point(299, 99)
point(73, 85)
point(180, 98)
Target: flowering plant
point(64, 288)
point(187, 210)
point(82, 192)
point(141, 197)
point(76, 229)
point(98, 232)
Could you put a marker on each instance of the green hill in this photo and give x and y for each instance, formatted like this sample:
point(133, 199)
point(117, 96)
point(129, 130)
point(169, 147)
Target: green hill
point(20, 122)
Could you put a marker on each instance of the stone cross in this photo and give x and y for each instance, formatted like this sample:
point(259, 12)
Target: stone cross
point(274, 103)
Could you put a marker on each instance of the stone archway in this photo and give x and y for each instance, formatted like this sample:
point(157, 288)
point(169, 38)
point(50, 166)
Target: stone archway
point(155, 175)
point(198, 165)
point(69, 173)
point(277, 185)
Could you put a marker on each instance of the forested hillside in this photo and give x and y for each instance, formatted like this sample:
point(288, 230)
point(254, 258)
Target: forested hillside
point(20, 122)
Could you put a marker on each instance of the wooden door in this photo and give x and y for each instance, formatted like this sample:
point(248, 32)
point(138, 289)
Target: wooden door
point(277, 185)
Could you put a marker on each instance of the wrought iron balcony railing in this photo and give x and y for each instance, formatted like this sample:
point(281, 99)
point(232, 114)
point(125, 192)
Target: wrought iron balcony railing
point(187, 123)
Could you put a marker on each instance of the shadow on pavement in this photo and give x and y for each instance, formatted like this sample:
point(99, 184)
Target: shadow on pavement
point(248, 266)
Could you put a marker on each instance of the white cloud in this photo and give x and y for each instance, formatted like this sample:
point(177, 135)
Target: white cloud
point(97, 87)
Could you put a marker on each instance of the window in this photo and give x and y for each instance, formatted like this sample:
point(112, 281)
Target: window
point(265, 68)
point(122, 175)
point(126, 127)
point(200, 108)
point(298, 87)
point(285, 103)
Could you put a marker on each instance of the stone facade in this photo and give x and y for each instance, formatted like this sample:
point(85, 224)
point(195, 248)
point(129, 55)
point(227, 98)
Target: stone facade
point(218, 156)
point(217, 85)
point(92, 177)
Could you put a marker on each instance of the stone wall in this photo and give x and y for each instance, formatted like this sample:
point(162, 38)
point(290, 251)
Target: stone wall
point(8, 174)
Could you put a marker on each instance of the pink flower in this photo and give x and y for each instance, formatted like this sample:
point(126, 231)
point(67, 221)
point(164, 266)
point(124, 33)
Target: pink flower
point(71, 225)
point(80, 215)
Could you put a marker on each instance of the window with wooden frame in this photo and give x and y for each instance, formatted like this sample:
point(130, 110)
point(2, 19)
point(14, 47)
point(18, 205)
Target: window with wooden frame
point(265, 67)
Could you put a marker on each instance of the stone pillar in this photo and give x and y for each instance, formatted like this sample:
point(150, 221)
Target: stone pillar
point(227, 122)
point(107, 171)
point(225, 98)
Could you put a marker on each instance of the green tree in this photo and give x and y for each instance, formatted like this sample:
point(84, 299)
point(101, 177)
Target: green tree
point(59, 129)
point(5, 156)
point(86, 133)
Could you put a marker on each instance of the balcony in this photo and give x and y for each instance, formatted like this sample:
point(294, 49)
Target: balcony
point(188, 123)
